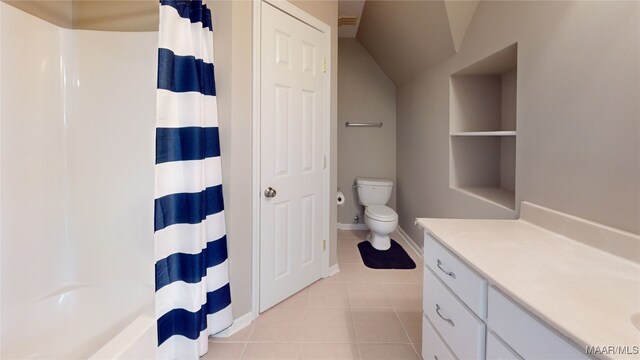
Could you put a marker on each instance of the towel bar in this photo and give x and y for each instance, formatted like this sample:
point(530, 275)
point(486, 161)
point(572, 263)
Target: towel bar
point(348, 124)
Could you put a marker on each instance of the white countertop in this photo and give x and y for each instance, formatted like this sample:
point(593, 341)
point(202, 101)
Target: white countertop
point(586, 294)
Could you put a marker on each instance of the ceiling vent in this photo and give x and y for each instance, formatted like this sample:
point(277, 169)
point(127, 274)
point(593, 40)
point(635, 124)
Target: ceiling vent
point(347, 20)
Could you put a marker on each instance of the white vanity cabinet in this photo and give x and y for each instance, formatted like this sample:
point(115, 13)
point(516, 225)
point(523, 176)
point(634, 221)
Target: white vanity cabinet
point(467, 318)
point(529, 337)
point(433, 347)
point(498, 350)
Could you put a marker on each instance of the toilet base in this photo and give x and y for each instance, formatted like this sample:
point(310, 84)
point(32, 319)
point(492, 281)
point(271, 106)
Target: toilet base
point(379, 242)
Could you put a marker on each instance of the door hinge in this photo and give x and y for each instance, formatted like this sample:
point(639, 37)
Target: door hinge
point(324, 65)
point(324, 245)
point(324, 162)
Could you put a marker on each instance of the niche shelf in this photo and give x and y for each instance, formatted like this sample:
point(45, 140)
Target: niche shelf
point(482, 128)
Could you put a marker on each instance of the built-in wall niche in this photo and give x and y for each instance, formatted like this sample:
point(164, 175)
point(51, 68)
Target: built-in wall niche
point(482, 120)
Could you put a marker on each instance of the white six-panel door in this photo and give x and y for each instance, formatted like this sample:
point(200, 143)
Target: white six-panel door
point(291, 156)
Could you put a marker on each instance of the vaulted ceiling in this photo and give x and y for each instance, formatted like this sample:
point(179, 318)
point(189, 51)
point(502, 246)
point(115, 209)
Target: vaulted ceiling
point(405, 37)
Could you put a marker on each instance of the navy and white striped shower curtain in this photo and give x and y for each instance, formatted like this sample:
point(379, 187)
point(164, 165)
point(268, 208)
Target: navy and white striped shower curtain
point(192, 280)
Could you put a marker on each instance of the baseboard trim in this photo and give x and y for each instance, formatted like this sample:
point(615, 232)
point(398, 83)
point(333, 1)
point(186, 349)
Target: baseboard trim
point(352, 226)
point(238, 324)
point(412, 244)
point(334, 269)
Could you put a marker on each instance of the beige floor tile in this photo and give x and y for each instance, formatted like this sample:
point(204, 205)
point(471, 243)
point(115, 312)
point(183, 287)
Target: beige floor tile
point(348, 256)
point(364, 295)
point(328, 325)
point(418, 260)
point(348, 243)
point(341, 275)
point(418, 347)
point(328, 351)
point(378, 326)
point(278, 324)
point(397, 276)
point(405, 296)
point(328, 294)
point(279, 351)
point(240, 336)
point(297, 300)
point(418, 274)
point(387, 351)
point(378, 309)
point(360, 234)
point(354, 273)
point(227, 351)
point(411, 320)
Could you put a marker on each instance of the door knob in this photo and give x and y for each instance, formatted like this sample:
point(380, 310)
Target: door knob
point(270, 192)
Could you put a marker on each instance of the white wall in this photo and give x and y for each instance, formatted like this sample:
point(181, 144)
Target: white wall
point(365, 94)
point(578, 140)
point(77, 127)
point(232, 48)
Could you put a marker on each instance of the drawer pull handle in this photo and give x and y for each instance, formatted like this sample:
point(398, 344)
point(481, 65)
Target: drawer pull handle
point(450, 273)
point(442, 317)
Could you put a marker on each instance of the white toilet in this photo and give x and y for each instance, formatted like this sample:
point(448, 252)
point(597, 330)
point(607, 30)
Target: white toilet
point(381, 219)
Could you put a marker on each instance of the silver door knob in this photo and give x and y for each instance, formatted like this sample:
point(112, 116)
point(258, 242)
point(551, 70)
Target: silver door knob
point(270, 192)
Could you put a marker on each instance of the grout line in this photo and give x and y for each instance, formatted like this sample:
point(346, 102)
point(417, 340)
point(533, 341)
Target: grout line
point(383, 343)
point(274, 342)
point(244, 348)
point(405, 331)
point(353, 326)
point(246, 344)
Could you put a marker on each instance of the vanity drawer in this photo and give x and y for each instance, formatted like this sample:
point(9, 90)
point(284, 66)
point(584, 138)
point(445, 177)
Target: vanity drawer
point(470, 287)
point(433, 348)
point(458, 326)
point(497, 350)
point(524, 333)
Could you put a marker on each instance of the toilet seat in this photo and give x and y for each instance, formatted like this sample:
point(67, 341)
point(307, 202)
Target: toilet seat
point(381, 213)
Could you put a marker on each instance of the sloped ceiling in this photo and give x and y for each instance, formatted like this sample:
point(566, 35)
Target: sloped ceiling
point(460, 14)
point(349, 8)
point(405, 37)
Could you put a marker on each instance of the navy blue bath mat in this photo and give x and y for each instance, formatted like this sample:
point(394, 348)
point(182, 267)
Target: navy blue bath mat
point(393, 258)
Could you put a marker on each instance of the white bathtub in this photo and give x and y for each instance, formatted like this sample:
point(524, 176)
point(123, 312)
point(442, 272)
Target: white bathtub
point(77, 173)
point(136, 341)
point(83, 321)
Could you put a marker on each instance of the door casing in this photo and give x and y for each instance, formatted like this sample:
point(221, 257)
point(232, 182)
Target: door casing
point(299, 14)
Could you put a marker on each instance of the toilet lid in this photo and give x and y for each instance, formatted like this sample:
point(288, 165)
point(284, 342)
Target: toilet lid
point(381, 213)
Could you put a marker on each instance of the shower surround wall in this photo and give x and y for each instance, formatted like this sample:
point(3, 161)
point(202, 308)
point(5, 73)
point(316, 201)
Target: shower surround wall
point(77, 131)
point(233, 57)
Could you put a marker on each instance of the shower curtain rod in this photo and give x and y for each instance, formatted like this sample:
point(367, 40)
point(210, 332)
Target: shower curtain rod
point(349, 124)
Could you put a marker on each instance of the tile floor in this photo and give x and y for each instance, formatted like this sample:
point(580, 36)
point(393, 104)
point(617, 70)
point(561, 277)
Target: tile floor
point(359, 313)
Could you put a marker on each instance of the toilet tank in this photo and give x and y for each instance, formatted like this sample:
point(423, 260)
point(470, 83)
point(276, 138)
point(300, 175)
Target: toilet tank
point(373, 191)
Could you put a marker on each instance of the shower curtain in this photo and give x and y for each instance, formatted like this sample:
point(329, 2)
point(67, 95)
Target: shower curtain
point(192, 283)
